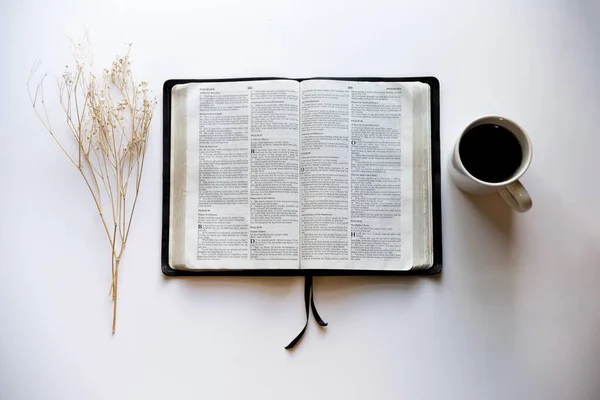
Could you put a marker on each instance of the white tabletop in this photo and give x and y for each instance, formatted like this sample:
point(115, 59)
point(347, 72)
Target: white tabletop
point(515, 313)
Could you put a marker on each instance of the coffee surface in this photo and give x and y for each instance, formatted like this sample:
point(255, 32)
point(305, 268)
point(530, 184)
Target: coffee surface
point(490, 153)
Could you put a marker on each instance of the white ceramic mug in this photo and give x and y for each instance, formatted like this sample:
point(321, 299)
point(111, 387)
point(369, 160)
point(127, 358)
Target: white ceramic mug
point(511, 190)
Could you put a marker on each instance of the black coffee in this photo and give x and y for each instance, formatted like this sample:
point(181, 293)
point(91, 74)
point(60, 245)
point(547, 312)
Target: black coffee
point(490, 153)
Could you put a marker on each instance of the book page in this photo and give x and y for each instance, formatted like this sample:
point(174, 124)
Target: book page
point(242, 184)
point(356, 175)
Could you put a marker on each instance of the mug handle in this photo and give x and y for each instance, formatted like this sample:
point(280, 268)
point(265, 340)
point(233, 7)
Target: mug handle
point(516, 196)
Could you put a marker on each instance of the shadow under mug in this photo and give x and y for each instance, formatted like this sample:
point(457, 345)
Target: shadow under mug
point(511, 190)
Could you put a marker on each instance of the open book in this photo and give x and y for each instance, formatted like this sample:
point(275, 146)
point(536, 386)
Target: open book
point(315, 175)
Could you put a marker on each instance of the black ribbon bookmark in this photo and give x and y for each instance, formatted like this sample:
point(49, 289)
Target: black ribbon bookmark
point(309, 303)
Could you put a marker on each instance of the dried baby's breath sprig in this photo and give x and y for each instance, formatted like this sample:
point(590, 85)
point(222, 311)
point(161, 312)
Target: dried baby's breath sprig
point(107, 124)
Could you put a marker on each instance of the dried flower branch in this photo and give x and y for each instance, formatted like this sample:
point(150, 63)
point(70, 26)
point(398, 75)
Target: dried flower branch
point(108, 120)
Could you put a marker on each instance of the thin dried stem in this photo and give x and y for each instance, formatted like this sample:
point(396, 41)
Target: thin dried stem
point(108, 120)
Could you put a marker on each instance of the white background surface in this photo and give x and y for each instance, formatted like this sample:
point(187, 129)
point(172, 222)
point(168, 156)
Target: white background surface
point(514, 315)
